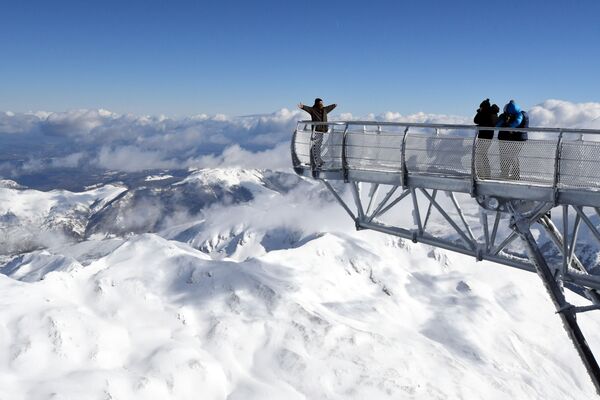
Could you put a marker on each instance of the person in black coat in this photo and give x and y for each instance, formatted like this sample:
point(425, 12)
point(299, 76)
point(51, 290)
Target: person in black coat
point(318, 112)
point(487, 115)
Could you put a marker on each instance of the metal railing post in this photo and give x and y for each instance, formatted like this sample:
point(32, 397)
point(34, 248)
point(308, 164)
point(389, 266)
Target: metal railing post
point(557, 156)
point(296, 164)
point(473, 169)
point(345, 168)
point(404, 176)
point(311, 151)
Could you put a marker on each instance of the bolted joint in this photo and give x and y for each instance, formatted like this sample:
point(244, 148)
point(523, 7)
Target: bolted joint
point(519, 224)
point(414, 236)
point(480, 251)
point(568, 308)
point(357, 224)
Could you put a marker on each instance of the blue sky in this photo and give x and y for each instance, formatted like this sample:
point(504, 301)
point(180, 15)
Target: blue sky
point(240, 57)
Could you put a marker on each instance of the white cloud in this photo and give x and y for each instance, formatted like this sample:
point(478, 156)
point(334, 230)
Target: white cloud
point(100, 138)
point(558, 113)
point(131, 158)
point(70, 161)
point(277, 158)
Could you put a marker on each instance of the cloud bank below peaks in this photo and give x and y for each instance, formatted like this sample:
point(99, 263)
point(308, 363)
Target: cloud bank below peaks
point(102, 139)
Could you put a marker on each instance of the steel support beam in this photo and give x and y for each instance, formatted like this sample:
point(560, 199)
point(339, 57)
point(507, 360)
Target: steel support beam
point(563, 308)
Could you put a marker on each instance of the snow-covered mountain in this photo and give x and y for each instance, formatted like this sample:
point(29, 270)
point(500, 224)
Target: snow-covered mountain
point(250, 284)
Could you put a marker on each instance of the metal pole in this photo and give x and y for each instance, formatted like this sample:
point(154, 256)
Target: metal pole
point(486, 230)
point(449, 126)
point(574, 238)
point(416, 214)
point(567, 316)
point(345, 167)
point(339, 199)
point(356, 195)
point(312, 151)
point(447, 245)
point(495, 229)
point(473, 169)
point(565, 246)
point(372, 194)
point(392, 204)
point(557, 165)
point(461, 215)
point(404, 176)
point(559, 241)
point(468, 242)
point(587, 222)
point(429, 209)
point(383, 202)
point(505, 243)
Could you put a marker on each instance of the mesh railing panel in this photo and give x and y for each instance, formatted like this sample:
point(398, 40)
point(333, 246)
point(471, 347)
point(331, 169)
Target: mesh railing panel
point(302, 146)
point(579, 165)
point(531, 161)
point(438, 155)
point(325, 148)
point(381, 151)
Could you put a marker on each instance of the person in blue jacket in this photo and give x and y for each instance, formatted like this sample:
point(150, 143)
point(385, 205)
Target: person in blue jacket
point(510, 140)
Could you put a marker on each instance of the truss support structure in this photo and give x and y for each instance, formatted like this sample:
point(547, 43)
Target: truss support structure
point(515, 225)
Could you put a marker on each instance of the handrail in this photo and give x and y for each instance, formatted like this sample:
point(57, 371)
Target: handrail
point(537, 163)
point(454, 126)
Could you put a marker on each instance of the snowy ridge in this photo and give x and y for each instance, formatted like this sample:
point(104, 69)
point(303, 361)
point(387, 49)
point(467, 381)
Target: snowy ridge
point(30, 219)
point(266, 291)
point(224, 176)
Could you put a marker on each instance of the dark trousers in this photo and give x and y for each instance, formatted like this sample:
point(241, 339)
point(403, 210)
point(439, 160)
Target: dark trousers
point(315, 149)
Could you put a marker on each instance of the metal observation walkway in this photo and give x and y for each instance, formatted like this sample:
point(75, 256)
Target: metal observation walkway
point(511, 187)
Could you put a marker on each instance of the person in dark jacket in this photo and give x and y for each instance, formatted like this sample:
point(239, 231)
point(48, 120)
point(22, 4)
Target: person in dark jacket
point(318, 112)
point(487, 115)
point(510, 141)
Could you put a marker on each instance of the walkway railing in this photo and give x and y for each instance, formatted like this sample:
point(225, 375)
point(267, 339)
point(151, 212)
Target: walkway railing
point(554, 164)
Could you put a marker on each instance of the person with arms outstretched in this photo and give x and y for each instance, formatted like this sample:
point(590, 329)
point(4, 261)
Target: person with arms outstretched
point(318, 113)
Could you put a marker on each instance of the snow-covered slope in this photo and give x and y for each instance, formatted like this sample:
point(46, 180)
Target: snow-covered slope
point(272, 295)
point(31, 219)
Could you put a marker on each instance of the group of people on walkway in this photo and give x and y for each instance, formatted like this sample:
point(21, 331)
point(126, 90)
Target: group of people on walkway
point(487, 116)
point(509, 140)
